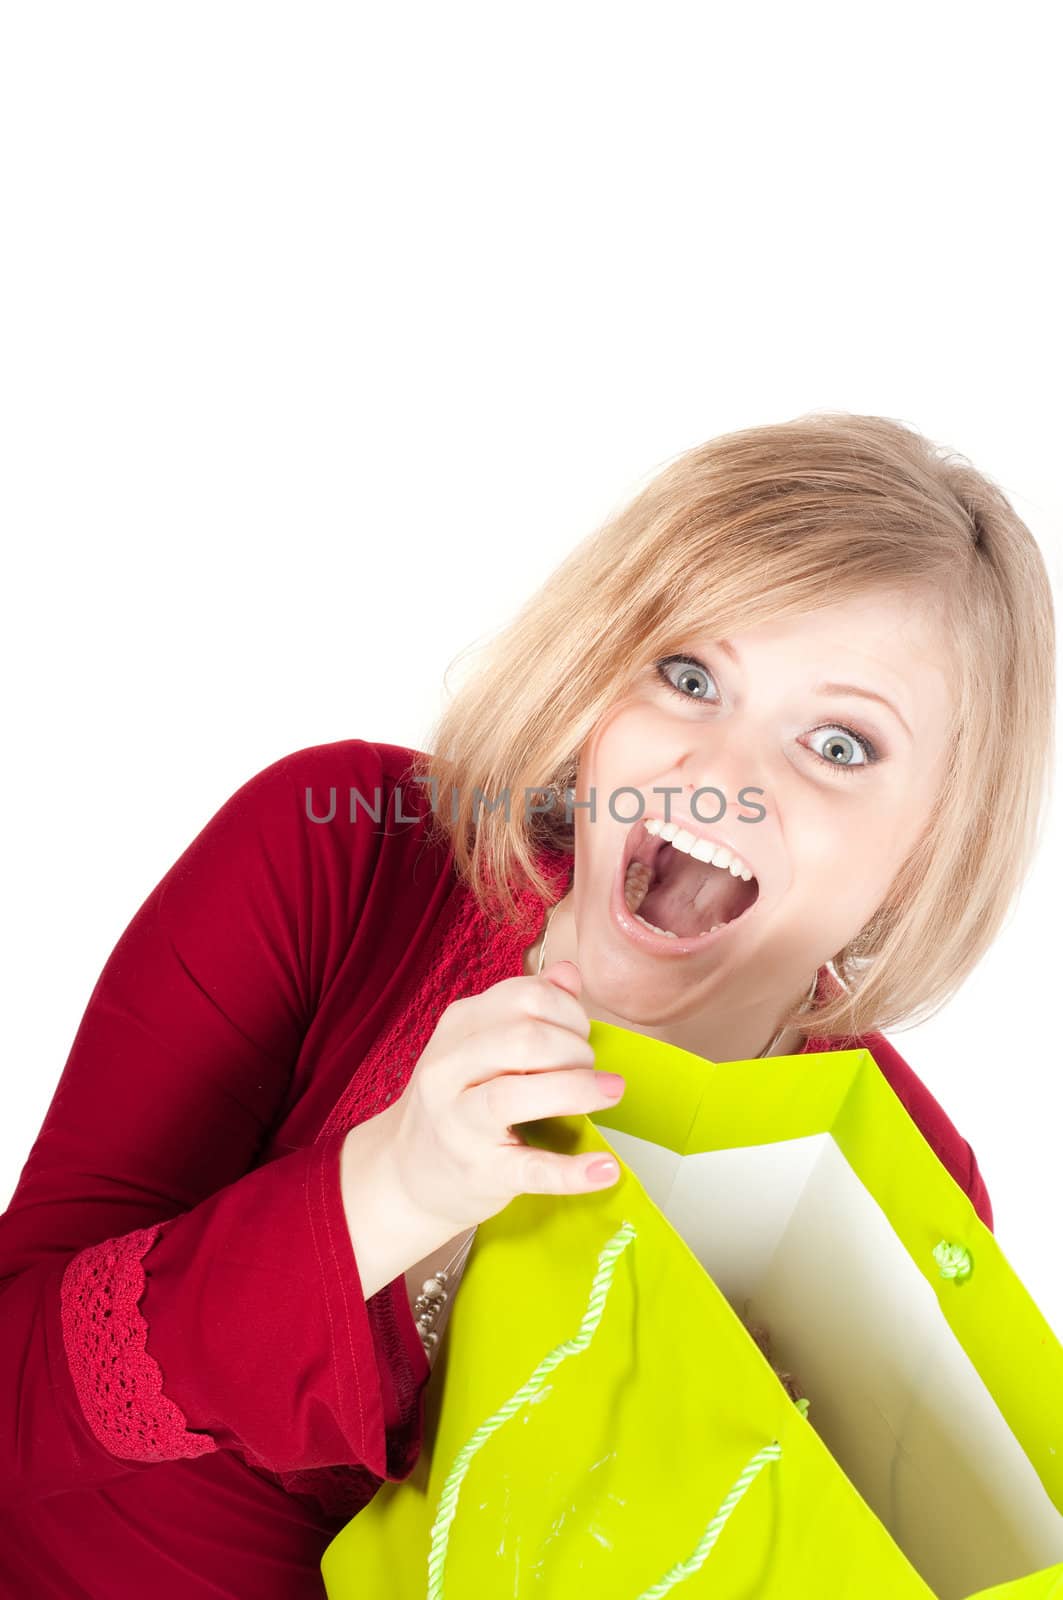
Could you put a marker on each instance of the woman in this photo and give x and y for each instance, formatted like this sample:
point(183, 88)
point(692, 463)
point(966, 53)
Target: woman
point(828, 648)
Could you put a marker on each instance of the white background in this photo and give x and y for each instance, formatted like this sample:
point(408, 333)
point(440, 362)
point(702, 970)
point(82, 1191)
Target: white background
point(328, 330)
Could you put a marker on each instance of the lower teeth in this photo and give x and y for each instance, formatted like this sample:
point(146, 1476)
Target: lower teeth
point(670, 933)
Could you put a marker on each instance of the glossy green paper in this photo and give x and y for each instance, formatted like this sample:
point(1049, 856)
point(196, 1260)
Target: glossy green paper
point(609, 1477)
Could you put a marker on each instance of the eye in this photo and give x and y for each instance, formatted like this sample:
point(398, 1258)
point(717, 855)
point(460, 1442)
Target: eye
point(845, 749)
point(691, 683)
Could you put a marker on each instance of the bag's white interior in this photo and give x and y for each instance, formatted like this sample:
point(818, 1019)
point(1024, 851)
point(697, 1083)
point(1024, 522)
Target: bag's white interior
point(796, 1243)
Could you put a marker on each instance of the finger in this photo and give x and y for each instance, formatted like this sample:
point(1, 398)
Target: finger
point(533, 1171)
point(531, 997)
point(553, 996)
point(515, 1097)
point(518, 1045)
point(564, 975)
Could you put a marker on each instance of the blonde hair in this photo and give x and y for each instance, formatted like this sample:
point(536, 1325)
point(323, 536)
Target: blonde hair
point(752, 526)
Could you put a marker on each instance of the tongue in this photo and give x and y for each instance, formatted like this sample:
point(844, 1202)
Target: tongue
point(688, 897)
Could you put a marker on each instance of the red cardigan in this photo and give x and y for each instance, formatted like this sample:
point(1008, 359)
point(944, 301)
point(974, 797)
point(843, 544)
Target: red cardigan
point(194, 1394)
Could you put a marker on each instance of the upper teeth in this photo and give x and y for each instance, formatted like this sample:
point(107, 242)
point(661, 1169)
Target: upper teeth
point(716, 855)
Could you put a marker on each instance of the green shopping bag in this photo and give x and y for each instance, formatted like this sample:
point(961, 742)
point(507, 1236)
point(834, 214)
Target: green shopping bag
point(601, 1421)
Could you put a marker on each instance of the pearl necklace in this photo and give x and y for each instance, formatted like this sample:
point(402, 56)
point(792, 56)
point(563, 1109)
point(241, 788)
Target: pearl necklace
point(435, 1294)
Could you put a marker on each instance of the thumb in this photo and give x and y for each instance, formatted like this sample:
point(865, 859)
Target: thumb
point(565, 974)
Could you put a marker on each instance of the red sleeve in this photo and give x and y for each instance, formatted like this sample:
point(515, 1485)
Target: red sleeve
point(953, 1151)
point(160, 1295)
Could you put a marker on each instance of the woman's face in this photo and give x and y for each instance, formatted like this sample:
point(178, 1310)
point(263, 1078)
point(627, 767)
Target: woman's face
point(835, 789)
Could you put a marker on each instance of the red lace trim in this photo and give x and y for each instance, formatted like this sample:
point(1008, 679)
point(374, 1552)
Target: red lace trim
point(119, 1386)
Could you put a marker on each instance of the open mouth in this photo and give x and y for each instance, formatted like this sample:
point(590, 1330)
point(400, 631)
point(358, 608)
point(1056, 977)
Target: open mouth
point(671, 894)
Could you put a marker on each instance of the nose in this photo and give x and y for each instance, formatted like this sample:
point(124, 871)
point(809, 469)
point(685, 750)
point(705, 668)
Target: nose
point(724, 769)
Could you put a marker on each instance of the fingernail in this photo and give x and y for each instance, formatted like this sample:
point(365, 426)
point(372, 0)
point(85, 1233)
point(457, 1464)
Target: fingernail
point(602, 1171)
point(612, 1084)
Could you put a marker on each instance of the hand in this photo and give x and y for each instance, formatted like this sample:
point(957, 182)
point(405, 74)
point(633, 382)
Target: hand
point(516, 1053)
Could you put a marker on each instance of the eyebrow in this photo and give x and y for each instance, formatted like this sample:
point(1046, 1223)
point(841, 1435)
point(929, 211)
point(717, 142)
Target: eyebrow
point(834, 688)
point(865, 694)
